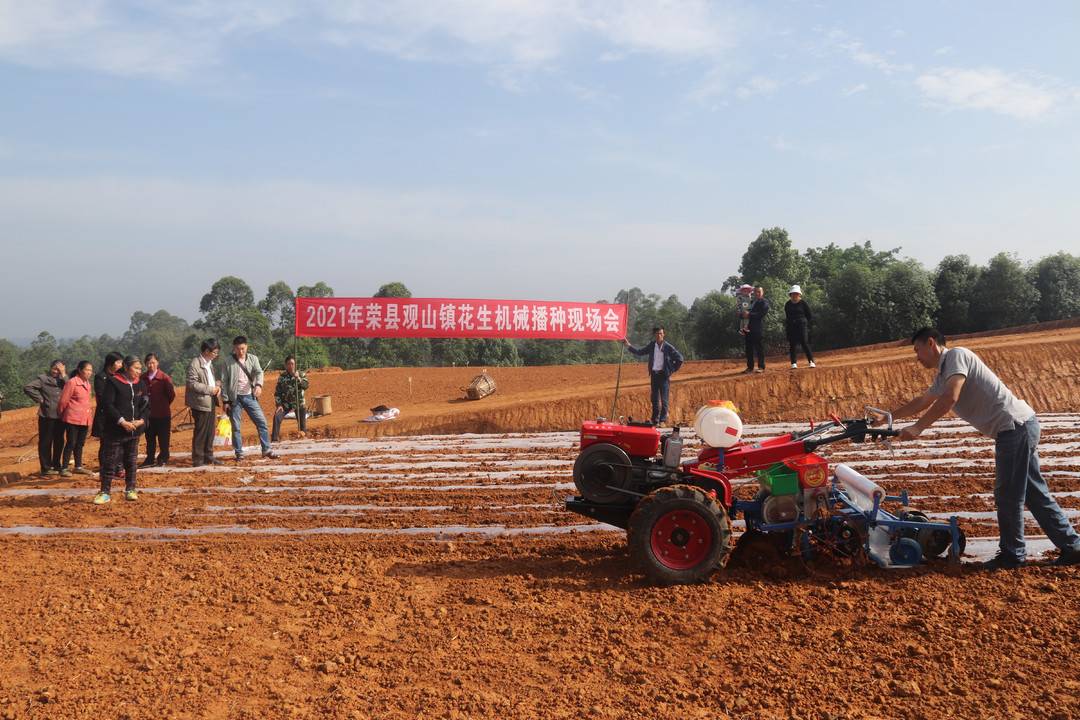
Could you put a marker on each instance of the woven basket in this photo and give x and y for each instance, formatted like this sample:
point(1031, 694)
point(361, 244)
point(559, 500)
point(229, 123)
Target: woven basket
point(481, 386)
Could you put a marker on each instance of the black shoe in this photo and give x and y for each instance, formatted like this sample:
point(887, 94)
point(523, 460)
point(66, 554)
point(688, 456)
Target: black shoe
point(162, 463)
point(270, 455)
point(215, 461)
point(147, 463)
point(1068, 557)
point(1001, 562)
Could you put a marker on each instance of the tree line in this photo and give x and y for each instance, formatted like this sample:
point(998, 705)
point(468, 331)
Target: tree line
point(858, 294)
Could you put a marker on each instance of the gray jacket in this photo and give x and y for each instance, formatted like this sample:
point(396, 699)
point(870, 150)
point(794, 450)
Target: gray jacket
point(200, 393)
point(230, 377)
point(45, 391)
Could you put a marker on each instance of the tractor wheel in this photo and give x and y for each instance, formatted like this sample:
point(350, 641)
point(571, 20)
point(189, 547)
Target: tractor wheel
point(830, 548)
point(679, 535)
point(600, 468)
point(934, 542)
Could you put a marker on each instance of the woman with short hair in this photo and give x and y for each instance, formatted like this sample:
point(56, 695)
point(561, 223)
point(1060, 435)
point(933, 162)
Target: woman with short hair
point(126, 409)
point(797, 320)
point(74, 411)
point(112, 364)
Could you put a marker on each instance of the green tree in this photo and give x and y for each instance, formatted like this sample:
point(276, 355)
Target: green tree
point(771, 255)
point(162, 333)
point(713, 327)
point(1057, 279)
point(393, 290)
point(908, 300)
point(954, 285)
point(229, 310)
point(12, 377)
point(318, 290)
point(279, 308)
point(391, 352)
point(1004, 295)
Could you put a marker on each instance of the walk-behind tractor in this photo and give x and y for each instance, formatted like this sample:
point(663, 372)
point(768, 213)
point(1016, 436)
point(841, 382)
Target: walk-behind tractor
point(678, 515)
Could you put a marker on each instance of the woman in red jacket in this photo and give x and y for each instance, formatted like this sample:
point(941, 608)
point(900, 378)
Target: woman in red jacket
point(74, 411)
point(159, 387)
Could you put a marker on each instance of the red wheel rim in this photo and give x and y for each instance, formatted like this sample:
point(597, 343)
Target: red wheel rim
point(681, 539)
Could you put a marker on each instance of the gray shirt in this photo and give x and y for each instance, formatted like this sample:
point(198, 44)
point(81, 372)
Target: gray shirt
point(984, 400)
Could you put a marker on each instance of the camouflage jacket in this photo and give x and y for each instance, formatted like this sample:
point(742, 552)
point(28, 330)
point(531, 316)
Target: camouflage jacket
point(289, 392)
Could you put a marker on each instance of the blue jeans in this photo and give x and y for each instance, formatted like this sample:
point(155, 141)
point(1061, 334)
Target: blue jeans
point(251, 405)
point(660, 383)
point(1019, 482)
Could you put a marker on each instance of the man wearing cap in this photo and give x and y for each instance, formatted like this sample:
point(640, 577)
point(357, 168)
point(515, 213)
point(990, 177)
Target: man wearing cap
point(966, 386)
point(664, 361)
point(797, 319)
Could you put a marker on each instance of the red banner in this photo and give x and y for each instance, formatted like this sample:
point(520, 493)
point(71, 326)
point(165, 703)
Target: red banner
point(456, 318)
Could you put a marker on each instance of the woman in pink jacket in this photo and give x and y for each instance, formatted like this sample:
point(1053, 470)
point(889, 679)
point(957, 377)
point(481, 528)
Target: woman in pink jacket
point(74, 411)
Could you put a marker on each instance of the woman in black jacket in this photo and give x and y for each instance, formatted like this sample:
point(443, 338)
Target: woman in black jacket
point(797, 320)
point(112, 364)
point(125, 408)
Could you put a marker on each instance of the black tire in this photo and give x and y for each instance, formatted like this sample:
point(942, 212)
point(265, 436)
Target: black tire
point(934, 542)
point(598, 469)
point(679, 535)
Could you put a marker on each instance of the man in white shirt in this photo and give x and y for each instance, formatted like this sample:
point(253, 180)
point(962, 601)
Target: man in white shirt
point(664, 361)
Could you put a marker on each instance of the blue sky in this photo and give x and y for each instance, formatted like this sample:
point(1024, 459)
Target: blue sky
point(516, 148)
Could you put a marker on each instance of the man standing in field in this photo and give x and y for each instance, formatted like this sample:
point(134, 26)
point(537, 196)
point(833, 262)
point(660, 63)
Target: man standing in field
point(664, 361)
point(45, 391)
point(965, 385)
point(241, 386)
point(202, 395)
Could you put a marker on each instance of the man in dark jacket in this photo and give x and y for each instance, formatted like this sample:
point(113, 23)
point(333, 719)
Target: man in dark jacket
point(160, 390)
point(45, 390)
point(755, 332)
point(664, 361)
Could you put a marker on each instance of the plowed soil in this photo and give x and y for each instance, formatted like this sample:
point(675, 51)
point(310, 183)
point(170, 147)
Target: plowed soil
point(425, 567)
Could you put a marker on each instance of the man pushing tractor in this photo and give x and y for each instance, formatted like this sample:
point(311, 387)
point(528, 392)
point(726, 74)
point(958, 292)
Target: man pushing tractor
point(967, 387)
point(678, 515)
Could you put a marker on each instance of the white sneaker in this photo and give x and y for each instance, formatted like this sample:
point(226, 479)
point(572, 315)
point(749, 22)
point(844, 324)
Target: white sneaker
point(794, 366)
point(812, 364)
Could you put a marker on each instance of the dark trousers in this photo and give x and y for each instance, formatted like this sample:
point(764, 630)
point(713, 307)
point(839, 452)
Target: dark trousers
point(301, 420)
point(660, 383)
point(799, 335)
point(75, 437)
point(50, 442)
point(157, 431)
point(755, 346)
point(119, 453)
point(202, 442)
point(1019, 483)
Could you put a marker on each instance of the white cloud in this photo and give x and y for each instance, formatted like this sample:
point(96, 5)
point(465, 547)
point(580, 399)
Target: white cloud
point(757, 85)
point(994, 90)
point(158, 38)
point(858, 52)
point(855, 89)
point(166, 39)
point(944, 50)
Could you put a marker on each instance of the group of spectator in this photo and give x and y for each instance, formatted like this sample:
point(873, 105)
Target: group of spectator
point(134, 398)
point(797, 321)
point(665, 360)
